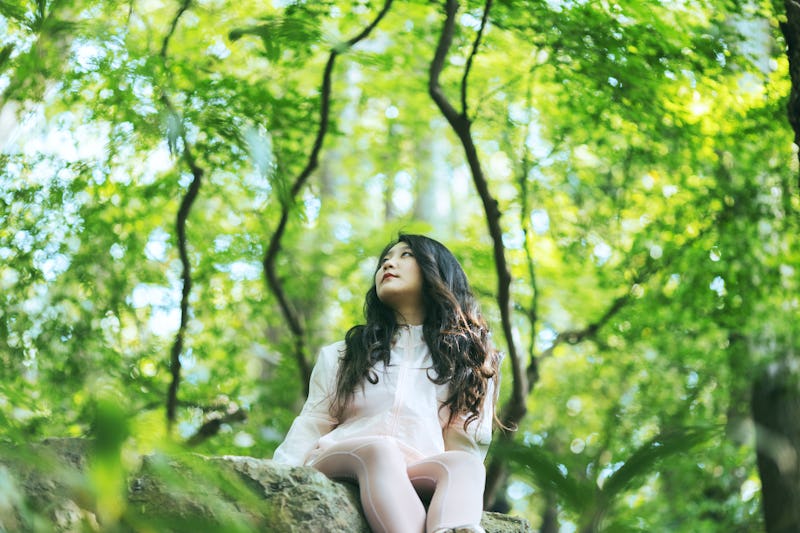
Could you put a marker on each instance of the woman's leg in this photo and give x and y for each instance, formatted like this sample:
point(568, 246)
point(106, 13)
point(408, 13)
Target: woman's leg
point(457, 479)
point(388, 498)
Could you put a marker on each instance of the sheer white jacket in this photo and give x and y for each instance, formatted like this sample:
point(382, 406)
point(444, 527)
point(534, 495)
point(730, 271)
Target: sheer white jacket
point(404, 405)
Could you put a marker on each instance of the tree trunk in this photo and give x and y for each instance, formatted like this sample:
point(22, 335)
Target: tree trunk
point(776, 412)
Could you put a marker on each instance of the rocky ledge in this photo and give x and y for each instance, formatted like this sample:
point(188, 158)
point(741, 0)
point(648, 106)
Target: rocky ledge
point(58, 485)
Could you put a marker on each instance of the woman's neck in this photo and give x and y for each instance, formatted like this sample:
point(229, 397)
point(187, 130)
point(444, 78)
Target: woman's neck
point(410, 317)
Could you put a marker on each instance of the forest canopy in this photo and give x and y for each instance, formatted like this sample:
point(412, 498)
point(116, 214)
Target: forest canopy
point(193, 194)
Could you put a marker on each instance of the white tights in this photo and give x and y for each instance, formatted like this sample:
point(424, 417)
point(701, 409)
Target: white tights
point(391, 490)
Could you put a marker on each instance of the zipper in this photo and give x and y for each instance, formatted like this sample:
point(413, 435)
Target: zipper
point(401, 381)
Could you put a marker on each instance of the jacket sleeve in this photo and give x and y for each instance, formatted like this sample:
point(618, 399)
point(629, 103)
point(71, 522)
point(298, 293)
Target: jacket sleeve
point(314, 419)
point(478, 435)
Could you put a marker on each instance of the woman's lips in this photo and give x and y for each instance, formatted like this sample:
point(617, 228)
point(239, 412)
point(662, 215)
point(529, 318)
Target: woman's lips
point(387, 276)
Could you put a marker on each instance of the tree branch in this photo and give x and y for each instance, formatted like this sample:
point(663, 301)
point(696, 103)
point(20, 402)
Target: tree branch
point(212, 426)
point(496, 472)
point(165, 43)
point(273, 280)
point(532, 312)
point(186, 277)
point(473, 53)
point(180, 226)
point(461, 126)
point(651, 267)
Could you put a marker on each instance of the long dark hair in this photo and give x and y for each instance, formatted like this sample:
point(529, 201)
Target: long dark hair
point(454, 330)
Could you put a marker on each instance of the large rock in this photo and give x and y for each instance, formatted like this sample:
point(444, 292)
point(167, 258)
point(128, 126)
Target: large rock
point(53, 486)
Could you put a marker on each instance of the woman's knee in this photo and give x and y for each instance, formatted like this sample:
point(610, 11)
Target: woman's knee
point(458, 467)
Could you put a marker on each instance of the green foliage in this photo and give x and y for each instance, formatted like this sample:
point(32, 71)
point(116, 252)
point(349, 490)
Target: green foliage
point(640, 154)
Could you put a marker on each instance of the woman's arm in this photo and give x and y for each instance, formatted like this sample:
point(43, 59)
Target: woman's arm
point(314, 419)
point(478, 434)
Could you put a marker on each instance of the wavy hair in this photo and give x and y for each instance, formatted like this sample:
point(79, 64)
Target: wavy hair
point(454, 330)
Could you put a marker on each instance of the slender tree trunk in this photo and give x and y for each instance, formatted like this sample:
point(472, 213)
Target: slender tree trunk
point(389, 168)
point(791, 32)
point(425, 194)
point(433, 201)
point(776, 412)
point(550, 515)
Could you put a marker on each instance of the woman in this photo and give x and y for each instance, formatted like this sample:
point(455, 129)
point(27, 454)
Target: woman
point(405, 405)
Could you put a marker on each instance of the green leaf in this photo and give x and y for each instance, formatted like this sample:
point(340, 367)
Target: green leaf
point(284, 33)
point(13, 10)
point(646, 459)
point(5, 54)
point(544, 469)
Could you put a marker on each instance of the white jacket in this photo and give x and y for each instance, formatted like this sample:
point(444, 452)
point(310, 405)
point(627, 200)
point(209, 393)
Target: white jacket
point(403, 404)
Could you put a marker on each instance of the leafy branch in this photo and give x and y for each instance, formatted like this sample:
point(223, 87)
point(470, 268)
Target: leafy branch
point(496, 468)
point(273, 280)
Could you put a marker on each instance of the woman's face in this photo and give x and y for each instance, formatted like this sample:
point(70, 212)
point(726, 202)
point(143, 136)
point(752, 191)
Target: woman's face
point(398, 280)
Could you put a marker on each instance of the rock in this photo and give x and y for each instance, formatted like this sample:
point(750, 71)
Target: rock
point(52, 486)
point(40, 487)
